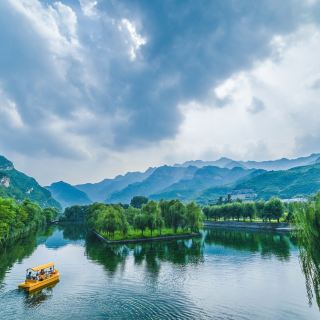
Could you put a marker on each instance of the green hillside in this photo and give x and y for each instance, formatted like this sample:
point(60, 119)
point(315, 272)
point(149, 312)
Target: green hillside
point(15, 184)
point(160, 179)
point(285, 184)
point(204, 178)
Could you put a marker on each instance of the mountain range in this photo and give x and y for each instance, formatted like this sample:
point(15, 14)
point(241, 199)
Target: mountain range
point(202, 181)
point(205, 181)
point(280, 164)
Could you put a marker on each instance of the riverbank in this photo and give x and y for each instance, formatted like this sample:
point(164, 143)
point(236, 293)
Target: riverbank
point(269, 226)
point(147, 239)
point(20, 234)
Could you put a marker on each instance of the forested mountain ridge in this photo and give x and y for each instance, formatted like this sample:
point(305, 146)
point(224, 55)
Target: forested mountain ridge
point(298, 181)
point(161, 178)
point(17, 185)
point(204, 178)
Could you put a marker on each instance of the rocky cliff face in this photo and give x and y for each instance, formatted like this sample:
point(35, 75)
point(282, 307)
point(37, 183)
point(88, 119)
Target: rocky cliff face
point(5, 182)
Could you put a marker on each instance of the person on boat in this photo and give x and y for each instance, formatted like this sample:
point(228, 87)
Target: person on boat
point(42, 275)
point(29, 275)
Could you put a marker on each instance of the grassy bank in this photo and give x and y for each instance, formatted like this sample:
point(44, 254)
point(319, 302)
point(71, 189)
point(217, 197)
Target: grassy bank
point(137, 234)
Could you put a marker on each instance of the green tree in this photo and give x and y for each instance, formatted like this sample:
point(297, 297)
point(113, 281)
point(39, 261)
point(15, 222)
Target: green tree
point(260, 208)
point(193, 216)
point(274, 209)
point(236, 210)
point(140, 222)
point(51, 214)
point(206, 212)
point(109, 219)
point(177, 213)
point(138, 201)
point(130, 213)
point(159, 222)
point(249, 210)
point(151, 210)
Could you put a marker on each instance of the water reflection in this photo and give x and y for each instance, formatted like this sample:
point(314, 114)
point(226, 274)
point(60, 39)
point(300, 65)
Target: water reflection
point(73, 232)
point(265, 243)
point(152, 254)
point(34, 299)
point(18, 250)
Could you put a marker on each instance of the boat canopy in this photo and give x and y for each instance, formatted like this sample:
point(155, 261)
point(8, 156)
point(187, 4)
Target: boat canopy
point(43, 266)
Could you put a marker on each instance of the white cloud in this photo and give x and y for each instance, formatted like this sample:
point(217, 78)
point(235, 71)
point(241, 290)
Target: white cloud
point(57, 24)
point(9, 112)
point(88, 7)
point(282, 84)
point(135, 40)
point(77, 87)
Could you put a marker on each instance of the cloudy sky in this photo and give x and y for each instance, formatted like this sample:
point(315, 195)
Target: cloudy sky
point(93, 88)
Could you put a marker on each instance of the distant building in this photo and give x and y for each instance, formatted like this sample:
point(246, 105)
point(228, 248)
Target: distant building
point(297, 199)
point(243, 194)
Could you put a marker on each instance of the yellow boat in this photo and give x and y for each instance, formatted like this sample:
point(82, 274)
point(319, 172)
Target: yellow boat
point(40, 277)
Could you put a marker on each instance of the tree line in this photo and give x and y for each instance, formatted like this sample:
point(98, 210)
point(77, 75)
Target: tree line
point(140, 215)
point(274, 209)
point(17, 218)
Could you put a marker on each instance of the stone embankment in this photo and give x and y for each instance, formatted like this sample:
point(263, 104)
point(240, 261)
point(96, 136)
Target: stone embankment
point(160, 238)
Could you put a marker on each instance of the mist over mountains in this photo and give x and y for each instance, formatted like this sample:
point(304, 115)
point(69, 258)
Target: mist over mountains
point(201, 181)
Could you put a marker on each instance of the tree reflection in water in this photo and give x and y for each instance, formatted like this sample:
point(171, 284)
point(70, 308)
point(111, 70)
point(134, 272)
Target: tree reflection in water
point(19, 249)
point(152, 254)
point(267, 243)
point(73, 232)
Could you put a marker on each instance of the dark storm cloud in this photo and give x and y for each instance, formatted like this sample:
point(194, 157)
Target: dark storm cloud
point(88, 86)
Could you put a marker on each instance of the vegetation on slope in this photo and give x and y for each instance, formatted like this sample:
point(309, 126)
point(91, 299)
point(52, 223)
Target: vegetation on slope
point(18, 218)
point(285, 184)
point(17, 185)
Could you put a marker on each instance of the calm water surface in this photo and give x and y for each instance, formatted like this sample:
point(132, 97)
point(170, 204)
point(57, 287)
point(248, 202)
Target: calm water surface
point(224, 275)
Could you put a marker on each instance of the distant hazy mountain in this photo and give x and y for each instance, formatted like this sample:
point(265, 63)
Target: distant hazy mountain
point(160, 179)
point(221, 163)
point(204, 178)
point(202, 181)
point(280, 164)
point(68, 195)
point(100, 191)
point(17, 185)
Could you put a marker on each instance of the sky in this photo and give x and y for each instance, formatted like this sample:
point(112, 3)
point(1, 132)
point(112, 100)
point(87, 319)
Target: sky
point(93, 88)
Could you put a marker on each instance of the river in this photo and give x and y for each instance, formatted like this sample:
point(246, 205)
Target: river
point(223, 275)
